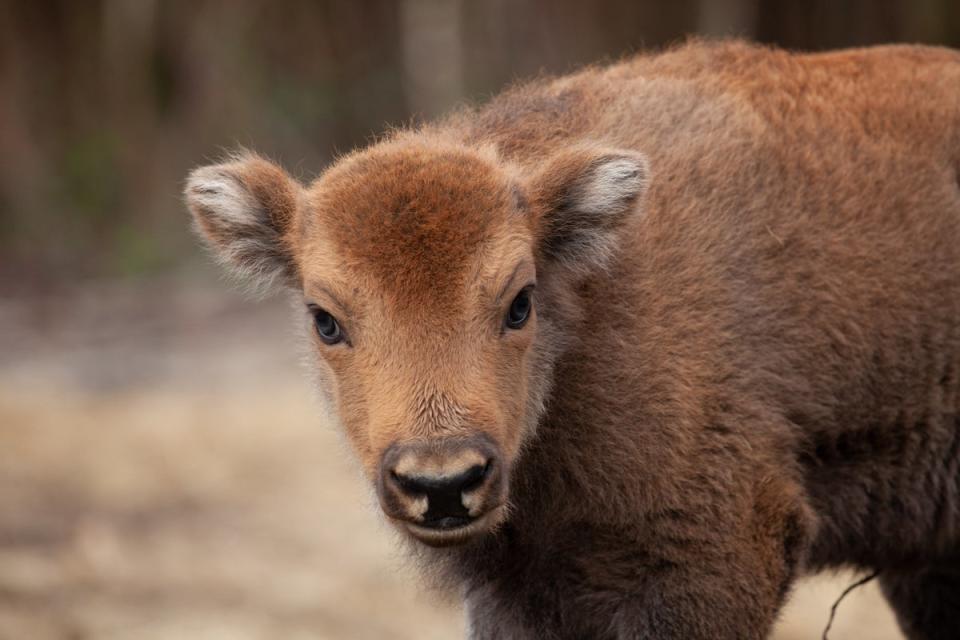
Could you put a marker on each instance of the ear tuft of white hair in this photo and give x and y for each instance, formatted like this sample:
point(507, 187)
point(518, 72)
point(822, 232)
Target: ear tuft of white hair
point(613, 185)
point(588, 196)
point(242, 209)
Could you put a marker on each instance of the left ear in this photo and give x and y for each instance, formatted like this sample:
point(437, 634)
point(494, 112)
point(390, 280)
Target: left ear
point(582, 199)
point(244, 209)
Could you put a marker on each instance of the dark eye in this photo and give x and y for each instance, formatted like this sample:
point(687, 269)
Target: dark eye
point(327, 327)
point(520, 309)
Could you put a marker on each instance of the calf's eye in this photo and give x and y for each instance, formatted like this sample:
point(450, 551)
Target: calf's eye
point(327, 327)
point(519, 311)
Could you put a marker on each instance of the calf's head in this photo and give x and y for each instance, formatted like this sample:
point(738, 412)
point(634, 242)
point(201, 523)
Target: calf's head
point(433, 277)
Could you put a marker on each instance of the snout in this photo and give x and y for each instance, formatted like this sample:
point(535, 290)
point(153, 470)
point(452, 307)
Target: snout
point(443, 491)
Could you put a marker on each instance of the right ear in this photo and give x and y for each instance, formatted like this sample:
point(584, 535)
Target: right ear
point(583, 198)
point(244, 209)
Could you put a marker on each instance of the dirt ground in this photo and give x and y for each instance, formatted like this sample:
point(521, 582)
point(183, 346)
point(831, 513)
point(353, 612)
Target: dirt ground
point(166, 474)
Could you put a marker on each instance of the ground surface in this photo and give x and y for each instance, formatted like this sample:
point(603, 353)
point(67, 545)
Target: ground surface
point(164, 474)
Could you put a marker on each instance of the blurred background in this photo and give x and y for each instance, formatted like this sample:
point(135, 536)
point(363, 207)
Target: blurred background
point(164, 472)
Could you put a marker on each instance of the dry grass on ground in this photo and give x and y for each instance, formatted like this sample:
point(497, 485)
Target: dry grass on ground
point(164, 475)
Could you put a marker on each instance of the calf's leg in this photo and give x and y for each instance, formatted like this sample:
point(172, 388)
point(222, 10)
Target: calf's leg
point(679, 575)
point(926, 600)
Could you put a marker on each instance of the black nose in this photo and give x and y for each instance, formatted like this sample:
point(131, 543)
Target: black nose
point(441, 484)
point(445, 508)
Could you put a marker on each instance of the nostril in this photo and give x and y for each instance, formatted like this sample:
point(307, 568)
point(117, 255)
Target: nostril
point(475, 476)
point(411, 485)
point(445, 485)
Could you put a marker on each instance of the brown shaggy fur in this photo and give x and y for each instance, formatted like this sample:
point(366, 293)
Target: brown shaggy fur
point(744, 358)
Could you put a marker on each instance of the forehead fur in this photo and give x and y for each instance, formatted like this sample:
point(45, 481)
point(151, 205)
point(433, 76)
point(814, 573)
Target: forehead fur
point(413, 215)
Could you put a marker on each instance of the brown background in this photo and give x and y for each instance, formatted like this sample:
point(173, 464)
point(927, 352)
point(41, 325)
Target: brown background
point(164, 471)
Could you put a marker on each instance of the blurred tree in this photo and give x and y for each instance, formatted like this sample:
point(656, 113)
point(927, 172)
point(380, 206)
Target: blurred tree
point(432, 55)
point(727, 17)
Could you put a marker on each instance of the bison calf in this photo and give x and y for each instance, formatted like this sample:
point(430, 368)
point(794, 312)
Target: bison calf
point(629, 350)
